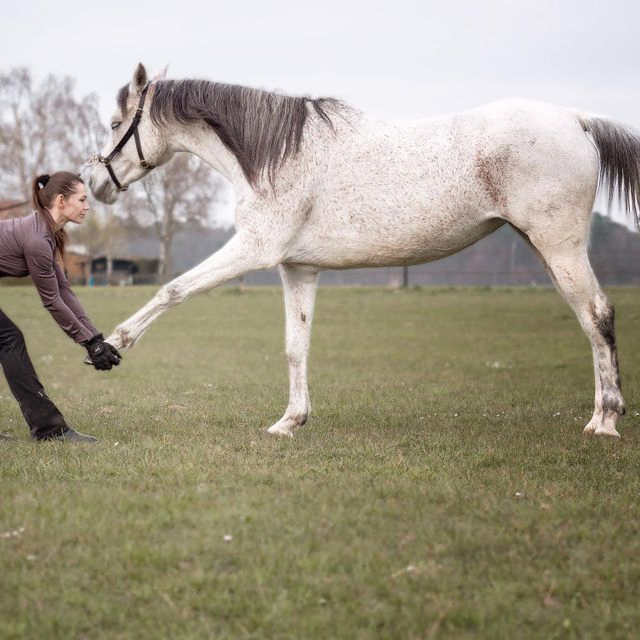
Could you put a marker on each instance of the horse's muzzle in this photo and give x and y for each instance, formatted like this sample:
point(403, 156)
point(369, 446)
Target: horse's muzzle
point(101, 186)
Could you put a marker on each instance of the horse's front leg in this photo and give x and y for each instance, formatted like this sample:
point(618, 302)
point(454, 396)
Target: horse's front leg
point(299, 297)
point(237, 257)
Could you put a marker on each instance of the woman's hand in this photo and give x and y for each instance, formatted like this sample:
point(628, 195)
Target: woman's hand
point(103, 356)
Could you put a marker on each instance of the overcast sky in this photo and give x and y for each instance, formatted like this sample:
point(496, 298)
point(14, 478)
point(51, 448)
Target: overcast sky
point(395, 59)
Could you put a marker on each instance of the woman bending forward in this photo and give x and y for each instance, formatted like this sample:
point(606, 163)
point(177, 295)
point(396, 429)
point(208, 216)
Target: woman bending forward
point(32, 246)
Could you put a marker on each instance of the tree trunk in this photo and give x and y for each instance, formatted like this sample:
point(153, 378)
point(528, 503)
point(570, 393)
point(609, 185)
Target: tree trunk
point(165, 263)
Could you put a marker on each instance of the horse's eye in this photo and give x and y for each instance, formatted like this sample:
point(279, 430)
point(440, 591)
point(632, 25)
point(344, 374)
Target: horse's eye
point(115, 124)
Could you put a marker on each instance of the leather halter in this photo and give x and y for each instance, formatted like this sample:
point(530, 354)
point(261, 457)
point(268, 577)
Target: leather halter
point(131, 131)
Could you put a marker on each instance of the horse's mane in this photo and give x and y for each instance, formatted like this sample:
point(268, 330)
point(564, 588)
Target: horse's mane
point(262, 129)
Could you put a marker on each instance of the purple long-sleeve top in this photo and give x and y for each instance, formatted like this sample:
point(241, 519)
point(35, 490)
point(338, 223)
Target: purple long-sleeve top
point(27, 247)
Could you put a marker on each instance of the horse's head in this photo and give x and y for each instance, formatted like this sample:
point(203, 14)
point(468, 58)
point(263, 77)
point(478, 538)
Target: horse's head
point(123, 160)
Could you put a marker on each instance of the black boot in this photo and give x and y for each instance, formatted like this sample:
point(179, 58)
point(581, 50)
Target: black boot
point(71, 435)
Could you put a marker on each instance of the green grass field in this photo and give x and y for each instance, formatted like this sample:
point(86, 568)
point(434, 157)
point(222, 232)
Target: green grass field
point(442, 488)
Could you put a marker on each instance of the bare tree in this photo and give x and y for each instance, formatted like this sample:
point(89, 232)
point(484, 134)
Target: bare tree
point(184, 190)
point(43, 128)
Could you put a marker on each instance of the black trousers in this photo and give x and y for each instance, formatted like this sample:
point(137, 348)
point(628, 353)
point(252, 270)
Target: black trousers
point(42, 416)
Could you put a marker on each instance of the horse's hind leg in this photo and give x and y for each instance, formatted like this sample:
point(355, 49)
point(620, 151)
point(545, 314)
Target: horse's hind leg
point(299, 298)
point(568, 265)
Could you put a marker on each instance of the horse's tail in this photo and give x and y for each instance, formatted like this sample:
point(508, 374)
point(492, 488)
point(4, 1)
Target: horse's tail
point(619, 151)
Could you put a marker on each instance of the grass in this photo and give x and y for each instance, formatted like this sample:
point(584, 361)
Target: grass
point(442, 488)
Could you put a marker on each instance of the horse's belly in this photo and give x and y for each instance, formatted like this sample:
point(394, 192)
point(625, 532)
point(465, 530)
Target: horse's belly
point(386, 242)
point(394, 203)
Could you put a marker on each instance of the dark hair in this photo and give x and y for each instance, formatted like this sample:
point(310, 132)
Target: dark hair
point(44, 190)
point(262, 129)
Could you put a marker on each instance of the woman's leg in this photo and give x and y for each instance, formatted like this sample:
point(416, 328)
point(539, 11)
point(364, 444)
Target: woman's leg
point(43, 417)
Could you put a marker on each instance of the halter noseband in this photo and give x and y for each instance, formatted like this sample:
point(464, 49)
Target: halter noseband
point(131, 131)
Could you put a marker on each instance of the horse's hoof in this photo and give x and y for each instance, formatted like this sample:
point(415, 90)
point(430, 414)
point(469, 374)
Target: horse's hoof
point(281, 429)
point(285, 433)
point(606, 433)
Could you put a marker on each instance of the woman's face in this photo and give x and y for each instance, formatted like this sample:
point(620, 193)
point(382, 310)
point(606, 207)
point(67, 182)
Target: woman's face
point(77, 204)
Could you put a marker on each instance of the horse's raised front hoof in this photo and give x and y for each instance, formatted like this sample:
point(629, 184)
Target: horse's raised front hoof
point(115, 340)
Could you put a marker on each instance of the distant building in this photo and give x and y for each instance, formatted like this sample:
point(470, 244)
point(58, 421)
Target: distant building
point(122, 271)
point(77, 264)
point(136, 260)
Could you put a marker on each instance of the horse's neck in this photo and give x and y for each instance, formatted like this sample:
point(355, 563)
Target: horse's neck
point(204, 143)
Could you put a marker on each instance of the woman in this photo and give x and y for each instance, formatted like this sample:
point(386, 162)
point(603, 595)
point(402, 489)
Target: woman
point(34, 245)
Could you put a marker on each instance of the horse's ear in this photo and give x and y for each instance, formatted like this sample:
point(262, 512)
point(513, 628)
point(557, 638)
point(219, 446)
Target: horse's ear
point(162, 74)
point(138, 81)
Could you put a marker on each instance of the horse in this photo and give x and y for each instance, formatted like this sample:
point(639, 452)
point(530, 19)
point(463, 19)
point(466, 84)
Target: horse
point(321, 185)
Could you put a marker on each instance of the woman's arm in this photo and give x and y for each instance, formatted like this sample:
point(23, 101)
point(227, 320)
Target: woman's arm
point(39, 256)
point(70, 299)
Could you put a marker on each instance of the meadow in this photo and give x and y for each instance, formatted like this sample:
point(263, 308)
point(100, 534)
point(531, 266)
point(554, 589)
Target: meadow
point(441, 489)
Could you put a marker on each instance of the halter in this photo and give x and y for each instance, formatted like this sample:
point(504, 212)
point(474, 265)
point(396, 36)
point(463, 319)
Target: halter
point(131, 131)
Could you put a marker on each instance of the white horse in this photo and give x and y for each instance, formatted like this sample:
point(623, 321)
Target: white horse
point(320, 185)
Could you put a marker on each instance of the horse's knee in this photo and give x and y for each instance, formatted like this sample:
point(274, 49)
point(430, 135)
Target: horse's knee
point(170, 295)
point(295, 355)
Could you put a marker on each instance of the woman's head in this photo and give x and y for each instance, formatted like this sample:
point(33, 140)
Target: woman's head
point(58, 198)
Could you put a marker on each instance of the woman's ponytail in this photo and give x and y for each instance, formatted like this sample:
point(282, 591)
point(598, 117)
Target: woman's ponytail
point(44, 190)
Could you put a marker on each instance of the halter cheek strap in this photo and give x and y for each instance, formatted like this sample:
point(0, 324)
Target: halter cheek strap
point(131, 131)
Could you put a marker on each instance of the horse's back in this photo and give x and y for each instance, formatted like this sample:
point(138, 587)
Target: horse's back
point(415, 191)
point(442, 161)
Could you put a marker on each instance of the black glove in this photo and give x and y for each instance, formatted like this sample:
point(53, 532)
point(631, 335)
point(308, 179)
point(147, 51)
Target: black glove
point(103, 356)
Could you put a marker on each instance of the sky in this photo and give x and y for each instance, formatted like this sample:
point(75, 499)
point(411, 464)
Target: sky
point(397, 59)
